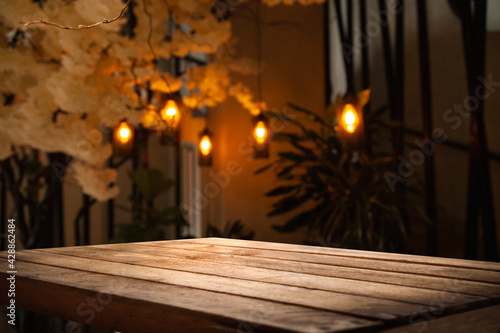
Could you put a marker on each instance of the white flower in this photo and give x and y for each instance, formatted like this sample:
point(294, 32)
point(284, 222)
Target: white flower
point(96, 182)
point(243, 66)
point(245, 98)
point(71, 93)
point(208, 85)
point(90, 74)
point(13, 12)
point(116, 107)
point(39, 107)
point(92, 11)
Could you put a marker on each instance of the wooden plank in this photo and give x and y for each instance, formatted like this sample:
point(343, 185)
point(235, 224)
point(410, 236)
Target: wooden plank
point(404, 258)
point(378, 265)
point(353, 273)
point(163, 258)
point(484, 320)
point(136, 305)
point(392, 278)
point(369, 307)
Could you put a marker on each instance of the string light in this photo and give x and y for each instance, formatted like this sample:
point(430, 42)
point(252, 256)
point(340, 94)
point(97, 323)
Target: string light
point(123, 138)
point(205, 148)
point(350, 126)
point(260, 133)
point(205, 145)
point(349, 119)
point(260, 137)
point(170, 114)
point(124, 133)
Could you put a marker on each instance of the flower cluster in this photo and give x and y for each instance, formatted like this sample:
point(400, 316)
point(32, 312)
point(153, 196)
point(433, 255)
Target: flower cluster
point(59, 88)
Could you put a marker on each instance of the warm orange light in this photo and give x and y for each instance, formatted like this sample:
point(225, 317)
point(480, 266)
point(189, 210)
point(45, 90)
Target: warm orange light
point(170, 113)
point(205, 145)
point(350, 119)
point(260, 133)
point(124, 133)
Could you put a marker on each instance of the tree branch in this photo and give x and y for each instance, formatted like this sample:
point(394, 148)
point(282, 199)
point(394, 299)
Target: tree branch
point(80, 26)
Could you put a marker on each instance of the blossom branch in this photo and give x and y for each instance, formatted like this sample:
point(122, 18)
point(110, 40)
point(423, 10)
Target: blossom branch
point(81, 26)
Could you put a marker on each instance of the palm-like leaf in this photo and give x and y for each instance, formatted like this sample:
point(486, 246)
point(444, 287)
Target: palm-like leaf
point(348, 200)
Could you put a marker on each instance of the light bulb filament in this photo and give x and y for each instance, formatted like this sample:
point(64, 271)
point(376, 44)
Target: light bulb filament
point(260, 133)
point(349, 118)
point(124, 132)
point(170, 113)
point(205, 145)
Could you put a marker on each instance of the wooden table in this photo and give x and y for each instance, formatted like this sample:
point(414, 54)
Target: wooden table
point(223, 285)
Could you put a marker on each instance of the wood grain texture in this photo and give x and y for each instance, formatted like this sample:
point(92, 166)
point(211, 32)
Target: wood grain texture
point(155, 257)
point(485, 320)
point(222, 285)
point(374, 308)
point(353, 273)
point(460, 273)
point(403, 258)
point(135, 304)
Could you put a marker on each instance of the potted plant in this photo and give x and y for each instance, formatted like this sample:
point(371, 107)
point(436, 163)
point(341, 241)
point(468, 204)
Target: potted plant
point(340, 198)
point(147, 221)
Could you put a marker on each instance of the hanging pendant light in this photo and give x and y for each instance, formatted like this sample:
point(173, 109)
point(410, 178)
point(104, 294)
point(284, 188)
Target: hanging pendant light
point(205, 148)
point(261, 137)
point(123, 138)
point(170, 114)
point(349, 119)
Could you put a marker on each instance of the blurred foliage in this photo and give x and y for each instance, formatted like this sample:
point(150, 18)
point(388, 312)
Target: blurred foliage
point(147, 221)
point(34, 188)
point(231, 230)
point(341, 198)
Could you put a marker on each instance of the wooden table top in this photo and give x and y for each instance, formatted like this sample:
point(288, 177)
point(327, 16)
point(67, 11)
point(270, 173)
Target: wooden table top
point(225, 285)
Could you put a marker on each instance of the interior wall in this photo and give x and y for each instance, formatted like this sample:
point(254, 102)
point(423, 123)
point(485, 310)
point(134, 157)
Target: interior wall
point(293, 71)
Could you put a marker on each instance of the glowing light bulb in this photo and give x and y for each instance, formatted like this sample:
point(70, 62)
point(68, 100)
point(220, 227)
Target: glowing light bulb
point(260, 133)
point(170, 113)
point(124, 132)
point(205, 145)
point(349, 118)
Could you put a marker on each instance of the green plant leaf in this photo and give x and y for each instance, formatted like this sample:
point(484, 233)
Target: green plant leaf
point(281, 190)
point(291, 156)
point(286, 170)
point(315, 117)
point(234, 230)
point(212, 231)
point(287, 204)
point(151, 182)
point(285, 137)
point(348, 199)
point(294, 223)
point(264, 168)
